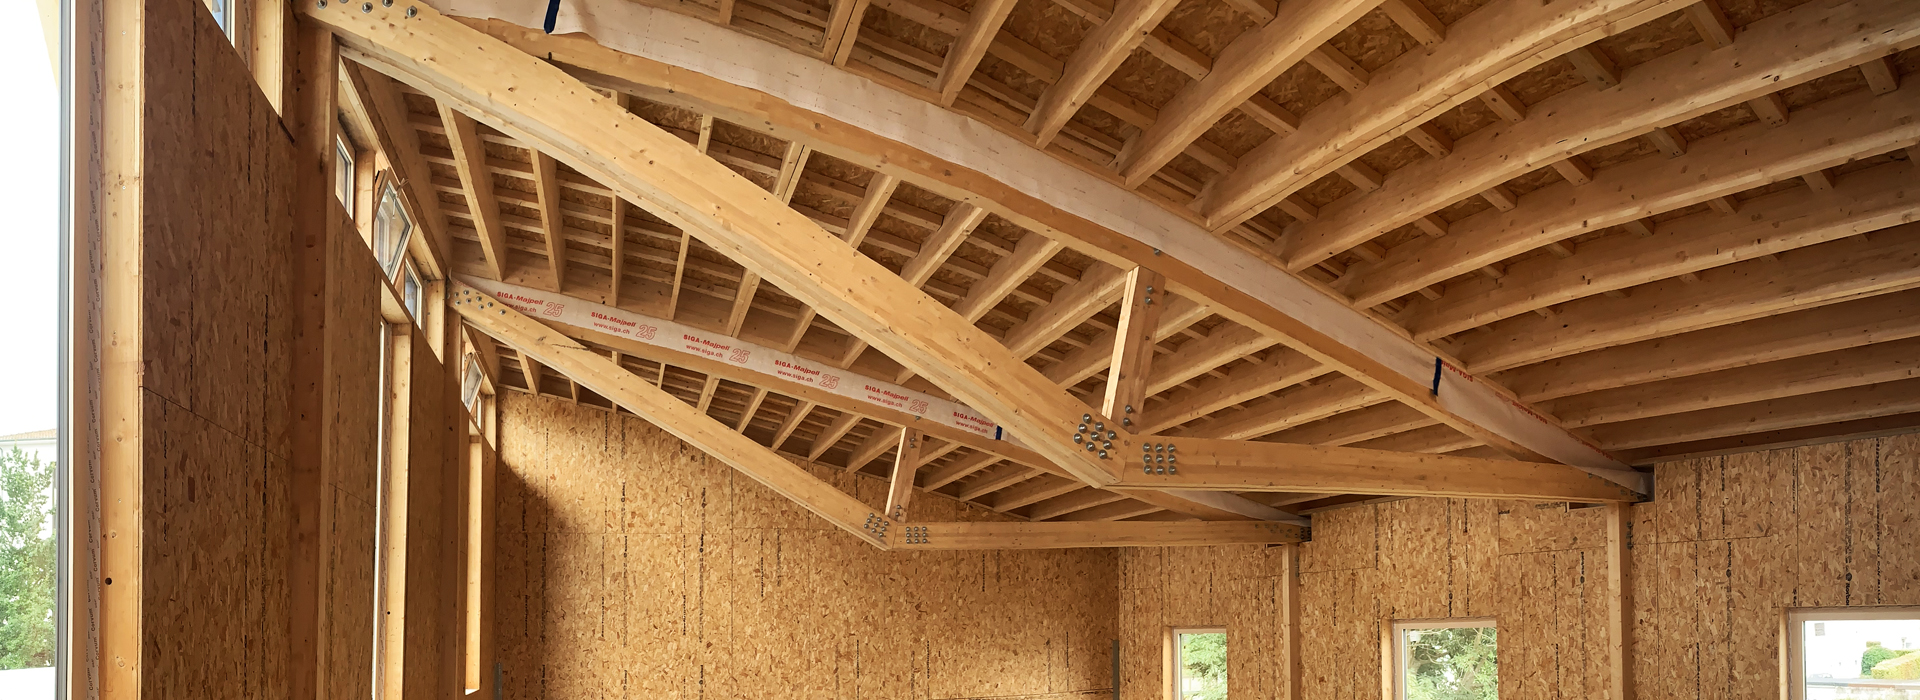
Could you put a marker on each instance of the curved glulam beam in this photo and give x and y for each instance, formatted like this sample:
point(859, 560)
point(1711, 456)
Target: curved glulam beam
point(1482, 50)
point(1772, 54)
point(856, 120)
point(551, 110)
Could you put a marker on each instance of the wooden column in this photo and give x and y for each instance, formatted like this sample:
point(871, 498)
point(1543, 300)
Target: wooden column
point(1133, 347)
point(308, 114)
point(1619, 603)
point(905, 465)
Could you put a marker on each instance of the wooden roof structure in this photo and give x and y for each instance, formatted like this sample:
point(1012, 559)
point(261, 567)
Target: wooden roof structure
point(1625, 231)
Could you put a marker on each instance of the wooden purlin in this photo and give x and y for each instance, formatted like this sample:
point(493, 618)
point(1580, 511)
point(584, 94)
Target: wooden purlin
point(1481, 49)
point(547, 108)
point(1823, 36)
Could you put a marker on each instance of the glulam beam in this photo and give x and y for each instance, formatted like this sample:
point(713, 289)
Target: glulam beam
point(550, 110)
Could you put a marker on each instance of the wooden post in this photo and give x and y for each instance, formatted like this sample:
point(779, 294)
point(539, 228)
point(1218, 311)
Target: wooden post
point(308, 114)
point(905, 464)
point(1133, 346)
point(1619, 604)
point(1291, 669)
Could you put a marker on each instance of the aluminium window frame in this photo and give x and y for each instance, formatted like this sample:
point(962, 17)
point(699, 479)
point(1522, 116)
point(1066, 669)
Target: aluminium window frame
point(1396, 654)
point(1793, 620)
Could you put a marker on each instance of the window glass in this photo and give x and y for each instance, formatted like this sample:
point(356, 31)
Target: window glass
point(1200, 664)
point(1858, 655)
point(1449, 660)
point(31, 488)
point(470, 386)
point(343, 174)
point(391, 227)
point(411, 290)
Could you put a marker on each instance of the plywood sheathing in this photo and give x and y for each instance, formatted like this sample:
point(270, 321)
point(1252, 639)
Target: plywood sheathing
point(199, 477)
point(634, 566)
point(1727, 545)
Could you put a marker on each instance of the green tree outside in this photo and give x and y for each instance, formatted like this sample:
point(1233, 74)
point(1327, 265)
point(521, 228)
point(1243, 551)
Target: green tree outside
point(1458, 663)
point(27, 562)
point(1203, 657)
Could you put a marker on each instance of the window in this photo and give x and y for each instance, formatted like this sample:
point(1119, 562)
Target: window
point(410, 291)
point(470, 385)
point(343, 174)
point(1199, 663)
point(1453, 659)
point(391, 228)
point(1854, 653)
point(222, 15)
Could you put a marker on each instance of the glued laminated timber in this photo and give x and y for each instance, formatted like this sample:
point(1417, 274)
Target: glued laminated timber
point(1276, 363)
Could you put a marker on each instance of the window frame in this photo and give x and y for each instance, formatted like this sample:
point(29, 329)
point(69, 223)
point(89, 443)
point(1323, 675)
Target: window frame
point(413, 291)
point(385, 184)
point(1175, 667)
point(346, 173)
point(1795, 619)
point(1397, 639)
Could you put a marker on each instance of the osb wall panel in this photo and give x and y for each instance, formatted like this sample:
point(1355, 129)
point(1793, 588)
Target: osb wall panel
point(433, 571)
point(633, 566)
point(351, 447)
point(1734, 540)
point(1728, 545)
point(214, 265)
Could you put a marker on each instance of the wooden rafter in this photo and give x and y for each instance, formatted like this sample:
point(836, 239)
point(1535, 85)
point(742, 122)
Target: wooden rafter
point(970, 46)
point(1835, 132)
point(476, 181)
point(1242, 69)
point(1092, 62)
point(1882, 262)
point(1865, 201)
point(1779, 51)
